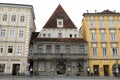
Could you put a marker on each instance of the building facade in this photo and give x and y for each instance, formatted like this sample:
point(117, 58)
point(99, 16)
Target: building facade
point(58, 49)
point(16, 25)
point(102, 31)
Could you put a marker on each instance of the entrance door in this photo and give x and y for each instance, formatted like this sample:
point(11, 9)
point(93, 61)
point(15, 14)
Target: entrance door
point(15, 69)
point(96, 70)
point(106, 70)
point(60, 68)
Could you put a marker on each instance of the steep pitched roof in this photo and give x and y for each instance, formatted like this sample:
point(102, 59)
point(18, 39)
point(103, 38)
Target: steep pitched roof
point(59, 13)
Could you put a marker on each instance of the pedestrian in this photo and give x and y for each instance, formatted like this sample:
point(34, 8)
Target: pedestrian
point(88, 71)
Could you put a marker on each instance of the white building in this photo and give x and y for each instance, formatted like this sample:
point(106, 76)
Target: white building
point(16, 25)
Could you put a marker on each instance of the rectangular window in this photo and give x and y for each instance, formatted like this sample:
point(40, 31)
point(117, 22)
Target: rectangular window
point(1, 48)
point(48, 49)
point(75, 35)
point(103, 37)
point(41, 66)
point(67, 48)
point(60, 35)
point(94, 51)
point(113, 37)
point(13, 19)
point(5, 17)
point(21, 33)
point(10, 49)
point(2, 68)
point(111, 23)
point(81, 48)
point(40, 48)
point(104, 51)
point(57, 48)
point(49, 36)
point(44, 35)
point(22, 18)
point(115, 51)
point(93, 36)
point(2, 33)
point(101, 23)
point(19, 49)
point(59, 22)
point(92, 23)
point(70, 35)
point(11, 34)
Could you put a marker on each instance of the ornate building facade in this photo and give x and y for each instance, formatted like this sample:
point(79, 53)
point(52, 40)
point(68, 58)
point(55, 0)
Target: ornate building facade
point(16, 25)
point(102, 31)
point(59, 49)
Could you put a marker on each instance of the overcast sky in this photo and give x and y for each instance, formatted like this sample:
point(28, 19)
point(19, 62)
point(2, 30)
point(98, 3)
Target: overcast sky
point(74, 8)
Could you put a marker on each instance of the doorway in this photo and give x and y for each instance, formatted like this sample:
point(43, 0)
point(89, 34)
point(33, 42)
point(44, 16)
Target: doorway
point(15, 69)
point(106, 70)
point(96, 70)
point(60, 67)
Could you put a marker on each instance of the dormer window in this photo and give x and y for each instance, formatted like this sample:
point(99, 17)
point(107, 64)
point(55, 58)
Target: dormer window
point(59, 22)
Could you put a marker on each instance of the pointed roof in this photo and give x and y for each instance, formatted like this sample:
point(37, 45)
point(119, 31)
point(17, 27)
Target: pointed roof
point(59, 13)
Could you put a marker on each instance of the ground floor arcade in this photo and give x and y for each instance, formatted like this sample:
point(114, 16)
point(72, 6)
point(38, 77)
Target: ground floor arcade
point(104, 67)
point(60, 67)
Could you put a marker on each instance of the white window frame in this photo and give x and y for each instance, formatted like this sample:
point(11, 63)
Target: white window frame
point(113, 36)
point(4, 18)
point(92, 23)
point(116, 51)
point(59, 22)
point(103, 37)
point(11, 33)
point(93, 36)
point(111, 23)
point(2, 32)
point(94, 51)
point(81, 48)
point(101, 22)
point(13, 18)
point(21, 33)
point(40, 48)
point(104, 51)
point(22, 18)
point(19, 49)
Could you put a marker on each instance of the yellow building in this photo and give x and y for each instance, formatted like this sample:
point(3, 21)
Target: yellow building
point(102, 31)
point(16, 26)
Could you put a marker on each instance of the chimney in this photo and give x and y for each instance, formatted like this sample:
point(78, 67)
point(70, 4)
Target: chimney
point(87, 11)
point(95, 11)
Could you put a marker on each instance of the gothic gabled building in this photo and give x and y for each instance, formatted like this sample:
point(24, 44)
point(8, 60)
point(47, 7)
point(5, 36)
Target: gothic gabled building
point(59, 49)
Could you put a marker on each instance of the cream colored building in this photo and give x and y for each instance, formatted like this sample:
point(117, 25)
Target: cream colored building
point(16, 25)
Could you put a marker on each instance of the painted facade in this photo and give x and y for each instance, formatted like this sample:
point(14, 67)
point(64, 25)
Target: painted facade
point(16, 25)
point(102, 31)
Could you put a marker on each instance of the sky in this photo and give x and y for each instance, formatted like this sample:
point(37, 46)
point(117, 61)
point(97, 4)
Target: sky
point(74, 8)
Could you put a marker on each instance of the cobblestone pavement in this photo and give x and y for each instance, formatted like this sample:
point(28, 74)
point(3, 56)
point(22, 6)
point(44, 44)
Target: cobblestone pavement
point(56, 78)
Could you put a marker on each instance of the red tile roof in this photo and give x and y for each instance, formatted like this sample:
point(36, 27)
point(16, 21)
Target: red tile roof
point(59, 13)
point(59, 40)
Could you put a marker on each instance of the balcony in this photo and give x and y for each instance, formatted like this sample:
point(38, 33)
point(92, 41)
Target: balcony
point(58, 56)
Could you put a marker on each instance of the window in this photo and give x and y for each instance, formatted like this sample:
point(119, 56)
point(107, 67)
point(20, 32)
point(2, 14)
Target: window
point(93, 36)
point(1, 48)
point(114, 51)
point(48, 49)
point(81, 48)
point(70, 35)
point(13, 19)
point(67, 48)
point(44, 35)
point(11, 34)
point(92, 23)
point(21, 33)
point(104, 51)
point(22, 18)
point(113, 37)
point(59, 35)
point(80, 67)
point(40, 48)
point(94, 51)
point(101, 23)
point(10, 49)
point(49, 35)
point(2, 68)
point(59, 22)
point(41, 66)
point(111, 23)
point(19, 49)
point(2, 33)
point(5, 17)
point(75, 35)
point(57, 48)
point(103, 37)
